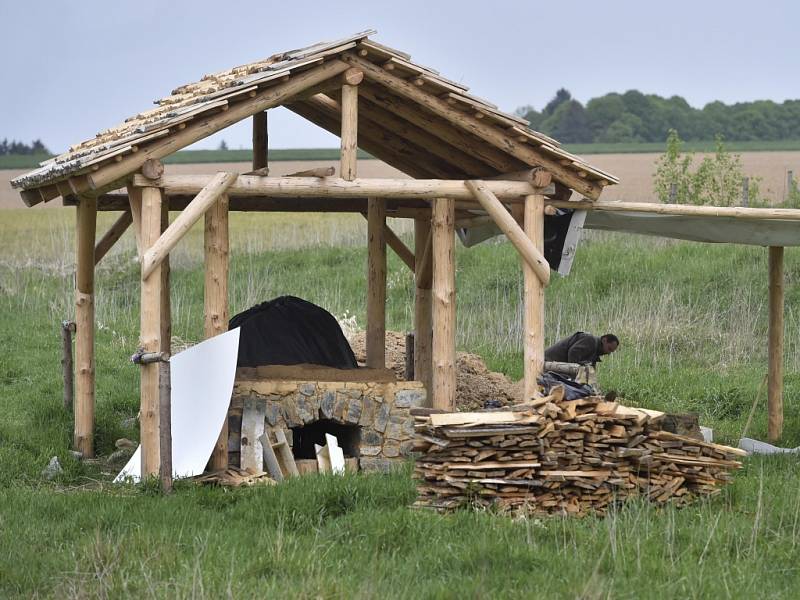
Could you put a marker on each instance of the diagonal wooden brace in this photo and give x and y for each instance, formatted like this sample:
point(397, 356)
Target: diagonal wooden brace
point(188, 217)
point(503, 219)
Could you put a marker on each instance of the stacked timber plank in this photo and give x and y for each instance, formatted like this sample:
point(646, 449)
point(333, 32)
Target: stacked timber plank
point(553, 456)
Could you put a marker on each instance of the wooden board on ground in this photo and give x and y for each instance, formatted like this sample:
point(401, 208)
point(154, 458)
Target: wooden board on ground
point(252, 453)
point(476, 418)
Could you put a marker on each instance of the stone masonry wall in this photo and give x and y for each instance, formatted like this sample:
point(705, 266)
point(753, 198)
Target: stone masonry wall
point(381, 410)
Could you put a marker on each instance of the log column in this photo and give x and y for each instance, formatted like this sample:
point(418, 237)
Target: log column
point(376, 283)
point(260, 141)
point(216, 249)
point(84, 323)
point(150, 340)
point(349, 131)
point(533, 315)
point(423, 326)
point(444, 304)
point(775, 378)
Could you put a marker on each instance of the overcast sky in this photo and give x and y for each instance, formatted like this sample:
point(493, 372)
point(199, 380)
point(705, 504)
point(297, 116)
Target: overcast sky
point(72, 68)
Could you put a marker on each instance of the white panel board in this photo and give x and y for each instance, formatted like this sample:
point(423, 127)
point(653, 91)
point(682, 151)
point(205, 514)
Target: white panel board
point(202, 384)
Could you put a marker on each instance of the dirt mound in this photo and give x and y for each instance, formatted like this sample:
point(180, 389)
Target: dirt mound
point(475, 382)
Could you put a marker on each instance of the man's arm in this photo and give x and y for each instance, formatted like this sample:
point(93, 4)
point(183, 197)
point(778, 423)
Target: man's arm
point(583, 351)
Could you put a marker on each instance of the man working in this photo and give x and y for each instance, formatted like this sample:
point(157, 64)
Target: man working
point(582, 348)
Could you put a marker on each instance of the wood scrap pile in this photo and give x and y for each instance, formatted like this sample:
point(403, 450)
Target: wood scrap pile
point(235, 477)
point(553, 456)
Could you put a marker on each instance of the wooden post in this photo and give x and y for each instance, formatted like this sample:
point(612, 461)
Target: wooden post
point(376, 283)
point(67, 329)
point(84, 325)
point(166, 305)
point(216, 248)
point(408, 367)
point(423, 328)
point(775, 379)
point(349, 131)
point(444, 304)
point(260, 141)
point(165, 420)
point(533, 314)
point(150, 340)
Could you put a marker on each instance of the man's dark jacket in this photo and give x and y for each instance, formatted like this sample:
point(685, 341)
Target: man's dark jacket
point(582, 348)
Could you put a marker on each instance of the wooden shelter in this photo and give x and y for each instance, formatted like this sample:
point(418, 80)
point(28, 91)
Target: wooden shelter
point(466, 159)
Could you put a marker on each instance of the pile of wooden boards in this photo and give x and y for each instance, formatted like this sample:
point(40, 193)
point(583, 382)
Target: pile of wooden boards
point(553, 456)
point(234, 477)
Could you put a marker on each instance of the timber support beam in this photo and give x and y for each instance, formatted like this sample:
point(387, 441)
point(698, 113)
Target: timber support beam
point(444, 305)
point(775, 345)
point(216, 250)
point(84, 327)
point(376, 284)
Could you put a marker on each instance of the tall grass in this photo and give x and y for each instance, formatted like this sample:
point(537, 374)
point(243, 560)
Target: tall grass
point(692, 319)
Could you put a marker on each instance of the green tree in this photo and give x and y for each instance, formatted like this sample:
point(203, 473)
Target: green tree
point(568, 123)
point(717, 180)
point(628, 128)
point(561, 96)
point(602, 112)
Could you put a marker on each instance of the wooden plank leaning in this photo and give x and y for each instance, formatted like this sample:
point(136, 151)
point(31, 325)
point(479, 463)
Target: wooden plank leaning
point(188, 217)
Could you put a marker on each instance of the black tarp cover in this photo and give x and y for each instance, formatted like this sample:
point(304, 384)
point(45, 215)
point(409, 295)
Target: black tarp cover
point(291, 331)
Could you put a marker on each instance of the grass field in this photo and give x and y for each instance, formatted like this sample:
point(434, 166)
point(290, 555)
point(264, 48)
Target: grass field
point(220, 156)
point(692, 320)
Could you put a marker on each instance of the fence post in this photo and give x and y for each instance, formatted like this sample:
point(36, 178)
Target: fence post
point(673, 192)
point(745, 191)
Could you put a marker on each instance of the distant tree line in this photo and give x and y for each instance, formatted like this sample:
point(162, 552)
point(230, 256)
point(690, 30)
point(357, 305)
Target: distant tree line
point(15, 147)
point(637, 117)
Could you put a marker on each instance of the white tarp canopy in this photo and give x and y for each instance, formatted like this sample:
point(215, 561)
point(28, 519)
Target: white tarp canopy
point(696, 228)
point(699, 228)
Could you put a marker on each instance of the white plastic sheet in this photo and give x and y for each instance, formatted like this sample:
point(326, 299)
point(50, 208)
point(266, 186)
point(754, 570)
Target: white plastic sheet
point(202, 384)
point(752, 446)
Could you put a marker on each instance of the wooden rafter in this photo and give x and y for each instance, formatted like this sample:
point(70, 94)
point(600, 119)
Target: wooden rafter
point(381, 152)
point(456, 137)
point(196, 130)
point(382, 137)
point(488, 132)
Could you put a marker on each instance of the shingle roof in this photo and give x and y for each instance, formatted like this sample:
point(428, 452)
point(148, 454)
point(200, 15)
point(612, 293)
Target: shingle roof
point(217, 91)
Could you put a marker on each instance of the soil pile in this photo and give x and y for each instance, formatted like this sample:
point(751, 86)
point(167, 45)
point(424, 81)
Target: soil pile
point(475, 383)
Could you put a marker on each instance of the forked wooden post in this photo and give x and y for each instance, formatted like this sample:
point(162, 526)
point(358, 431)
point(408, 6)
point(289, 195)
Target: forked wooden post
point(533, 315)
point(150, 341)
point(376, 283)
point(84, 327)
point(260, 140)
point(775, 378)
point(216, 251)
point(444, 304)
point(423, 327)
point(349, 134)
